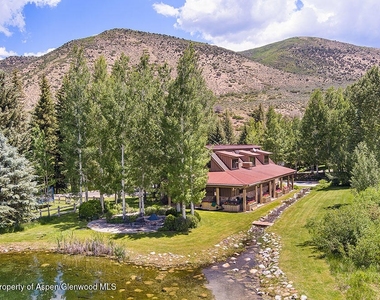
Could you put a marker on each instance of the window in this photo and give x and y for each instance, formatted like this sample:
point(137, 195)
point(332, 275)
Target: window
point(266, 159)
point(235, 164)
point(252, 159)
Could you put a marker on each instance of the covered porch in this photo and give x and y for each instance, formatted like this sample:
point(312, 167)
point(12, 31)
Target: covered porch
point(245, 197)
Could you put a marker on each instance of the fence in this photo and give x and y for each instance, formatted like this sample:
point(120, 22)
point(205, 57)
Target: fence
point(71, 205)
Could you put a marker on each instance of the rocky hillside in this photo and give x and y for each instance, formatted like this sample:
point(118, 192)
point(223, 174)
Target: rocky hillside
point(238, 82)
point(282, 74)
point(339, 62)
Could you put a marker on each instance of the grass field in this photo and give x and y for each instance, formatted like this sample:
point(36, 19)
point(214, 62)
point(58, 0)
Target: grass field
point(301, 263)
point(198, 246)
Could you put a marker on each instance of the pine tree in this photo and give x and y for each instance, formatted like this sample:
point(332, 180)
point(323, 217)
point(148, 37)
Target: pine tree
point(186, 126)
point(13, 120)
point(217, 135)
point(228, 128)
point(44, 135)
point(17, 186)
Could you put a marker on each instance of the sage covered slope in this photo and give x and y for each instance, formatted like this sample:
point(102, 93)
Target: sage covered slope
point(226, 72)
point(340, 62)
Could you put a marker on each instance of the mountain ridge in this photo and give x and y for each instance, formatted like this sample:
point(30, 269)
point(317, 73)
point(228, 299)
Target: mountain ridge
point(239, 82)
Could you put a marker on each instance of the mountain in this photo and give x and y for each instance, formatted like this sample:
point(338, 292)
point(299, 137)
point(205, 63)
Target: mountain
point(340, 62)
point(281, 74)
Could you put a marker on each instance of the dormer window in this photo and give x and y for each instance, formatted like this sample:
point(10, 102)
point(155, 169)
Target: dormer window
point(235, 163)
point(266, 159)
point(252, 159)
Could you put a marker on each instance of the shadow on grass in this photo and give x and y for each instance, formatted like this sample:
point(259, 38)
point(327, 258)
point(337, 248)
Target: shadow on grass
point(336, 206)
point(315, 252)
point(64, 222)
point(153, 235)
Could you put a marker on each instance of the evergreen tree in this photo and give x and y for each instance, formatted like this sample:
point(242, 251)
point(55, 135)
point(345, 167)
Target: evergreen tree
point(243, 135)
point(228, 128)
point(186, 126)
point(17, 186)
point(365, 172)
point(217, 135)
point(13, 121)
point(44, 135)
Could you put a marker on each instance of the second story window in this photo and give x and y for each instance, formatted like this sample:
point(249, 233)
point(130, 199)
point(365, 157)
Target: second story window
point(235, 164)
point(266, 159)
point(252, 159)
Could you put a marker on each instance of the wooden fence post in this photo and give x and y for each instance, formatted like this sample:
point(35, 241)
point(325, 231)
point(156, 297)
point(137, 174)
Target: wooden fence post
point(75, 207)
point(49, 210)
point(59, 211)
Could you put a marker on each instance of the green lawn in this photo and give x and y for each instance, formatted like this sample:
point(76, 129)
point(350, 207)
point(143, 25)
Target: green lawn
point(198, 246)
point(301, 263)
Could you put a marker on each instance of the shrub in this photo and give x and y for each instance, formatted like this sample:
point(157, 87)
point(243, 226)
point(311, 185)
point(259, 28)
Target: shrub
point(90, 210)
point(172, 211)
point(169, 224)
point(192, 221)
point(197, 215)
point(181, 224)
point(339, 230)
point(322, 185)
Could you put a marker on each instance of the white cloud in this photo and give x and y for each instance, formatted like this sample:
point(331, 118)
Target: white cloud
point(11, 13)
point(4, 53)
point(244, 24)
point(39, 53)
point(166, 10)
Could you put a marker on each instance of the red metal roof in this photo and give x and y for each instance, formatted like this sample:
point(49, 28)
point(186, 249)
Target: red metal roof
point(246, 177)
point(232, 147)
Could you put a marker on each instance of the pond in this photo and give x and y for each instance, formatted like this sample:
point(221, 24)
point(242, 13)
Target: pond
point(54, 276)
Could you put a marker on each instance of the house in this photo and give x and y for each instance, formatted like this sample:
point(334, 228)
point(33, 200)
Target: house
point(242, 176)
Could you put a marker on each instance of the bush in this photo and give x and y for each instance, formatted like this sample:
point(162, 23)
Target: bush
point(339, 230)
point(169, 224)
point(197, 215)
point(192, 221)
point(181, 224)
point(172, 211)
point(90, 210)
point(322, 185)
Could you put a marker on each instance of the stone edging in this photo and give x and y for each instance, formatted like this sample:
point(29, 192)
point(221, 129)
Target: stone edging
point(273, 283)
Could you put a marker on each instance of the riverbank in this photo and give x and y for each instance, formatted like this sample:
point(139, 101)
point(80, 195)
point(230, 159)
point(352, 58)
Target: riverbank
point(255, 273)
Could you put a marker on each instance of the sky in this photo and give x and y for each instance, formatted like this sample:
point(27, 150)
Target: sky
point(35, 27)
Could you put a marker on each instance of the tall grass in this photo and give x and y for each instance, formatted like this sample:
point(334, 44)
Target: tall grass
point(95, 245)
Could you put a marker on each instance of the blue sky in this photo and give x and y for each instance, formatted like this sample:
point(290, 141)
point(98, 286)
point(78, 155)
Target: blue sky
point(33, 27)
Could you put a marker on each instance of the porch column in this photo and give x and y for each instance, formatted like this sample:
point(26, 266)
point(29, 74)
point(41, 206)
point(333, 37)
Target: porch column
point(256, 198)
point(217, 196)
point(274, 187)
point(281, 183)
point(261, 193)
point(288, 181)
point(270, 190)
point(293, 182)
point(244, 199)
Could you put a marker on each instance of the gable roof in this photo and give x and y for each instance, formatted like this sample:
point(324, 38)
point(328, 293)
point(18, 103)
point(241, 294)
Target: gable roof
point(243, 176)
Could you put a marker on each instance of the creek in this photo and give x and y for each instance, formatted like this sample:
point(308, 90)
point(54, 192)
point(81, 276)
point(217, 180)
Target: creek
point(37, 276)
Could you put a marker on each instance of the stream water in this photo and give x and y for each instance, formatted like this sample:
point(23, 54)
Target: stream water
point(54, 276)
